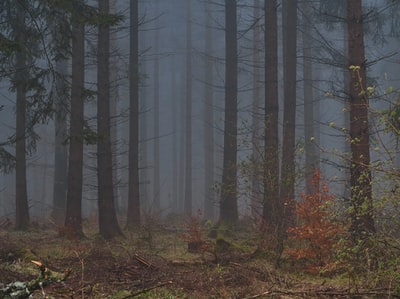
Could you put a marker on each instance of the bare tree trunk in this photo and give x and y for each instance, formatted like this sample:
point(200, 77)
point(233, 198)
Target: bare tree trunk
point(133, 219)
point(308, 94)
point(209, 123)
point(73, 214)
point(156, 149)
point(21, 194)
point(289, 19)
point(188, 115)
point(256, 181)
point(228, 203)
point(114, 111)
point(272, 206)
point(361, 188)
point(60, 149)
point(108, 224)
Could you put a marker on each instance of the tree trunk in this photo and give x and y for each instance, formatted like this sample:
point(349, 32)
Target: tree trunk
point(21, 194)
point(133, 218)
point(73, 214)
point(156, 149)
point(108, 223)
point(289, 19)
point(188, 115)
point(361, 189)
point(209, 123)
point(308, 94)
point(60, 149)
point(272, 207)
point(228, 204)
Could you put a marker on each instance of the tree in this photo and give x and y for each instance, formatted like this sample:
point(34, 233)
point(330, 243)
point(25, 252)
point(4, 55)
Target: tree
point(133, 217)
point(73, 213)
point(209, 123)
point(361, 207)
point(272, 206)
point(188, 114)
point(257, 123)
point(108, 224)
point(21, 81)
point(156, 130)
point(60, 150)
point(308, 96)
point(289, 19)
point(228, 202)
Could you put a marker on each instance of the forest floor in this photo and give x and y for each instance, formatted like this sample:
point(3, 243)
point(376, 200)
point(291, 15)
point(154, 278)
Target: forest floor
point(155, 263)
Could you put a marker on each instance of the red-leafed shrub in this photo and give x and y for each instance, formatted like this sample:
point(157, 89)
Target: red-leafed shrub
point(314, 238)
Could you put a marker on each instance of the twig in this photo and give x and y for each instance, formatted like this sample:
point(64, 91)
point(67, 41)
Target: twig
point(131, 295)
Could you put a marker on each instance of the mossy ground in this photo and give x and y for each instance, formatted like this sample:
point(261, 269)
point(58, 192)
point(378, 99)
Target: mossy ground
point(153, 264)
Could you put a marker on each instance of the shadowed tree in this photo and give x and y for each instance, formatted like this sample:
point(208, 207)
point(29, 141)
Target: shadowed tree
point(73, 216)
point(21, 81)
point(272, 208)
point(108, 224)
point(188, 114)
point(289, 39)
point(133, 218)
point(228, 202)
point(362, 222)
point(209, 122)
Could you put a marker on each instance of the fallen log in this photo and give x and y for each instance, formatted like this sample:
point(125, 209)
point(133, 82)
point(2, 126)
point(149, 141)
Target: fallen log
point(22, 290)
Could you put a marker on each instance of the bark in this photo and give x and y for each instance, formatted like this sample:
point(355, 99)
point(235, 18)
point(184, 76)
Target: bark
point(108, 224)
point(228, 204)
point(272, 208)
point(60, 149)
point(156, 149)
point(188, 114)
point(73, 214)
point(133, 218)
point(289, 18)
point(308, 94)
point(209, 123)
point(360, 173)
point(256, 182)
point(21, 194)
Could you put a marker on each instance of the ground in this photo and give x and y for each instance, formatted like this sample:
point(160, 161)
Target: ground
point(153, 263)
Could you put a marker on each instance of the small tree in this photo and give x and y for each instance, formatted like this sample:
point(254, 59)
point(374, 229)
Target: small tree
point(317, 233)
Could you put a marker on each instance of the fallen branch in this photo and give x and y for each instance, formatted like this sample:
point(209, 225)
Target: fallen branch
point(134, 294)
point(22, 290)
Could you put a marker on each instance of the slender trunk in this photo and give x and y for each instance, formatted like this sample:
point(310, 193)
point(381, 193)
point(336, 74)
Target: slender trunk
point(289, 19)
point(228, 204)
point(272, 208)
point(73, 214)
point(209, 123)
point(188, 115)
point(133, 218)
point(108, 224)
point(21, 194)
point(310, 149)
point(60, 149)
point(361, 188)
point(256, 181)
point(156, 149)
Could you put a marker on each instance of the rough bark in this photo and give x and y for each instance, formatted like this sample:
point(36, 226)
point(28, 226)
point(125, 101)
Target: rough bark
point(21, 193)
point(108, 224)
point(360, 173)
point(73, 213)
point(228, 203)
point(272, 208)
point(133, 218)
point(188, 114)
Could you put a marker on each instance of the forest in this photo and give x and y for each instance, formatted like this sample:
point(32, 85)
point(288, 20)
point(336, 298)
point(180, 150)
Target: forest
point(199, 149)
